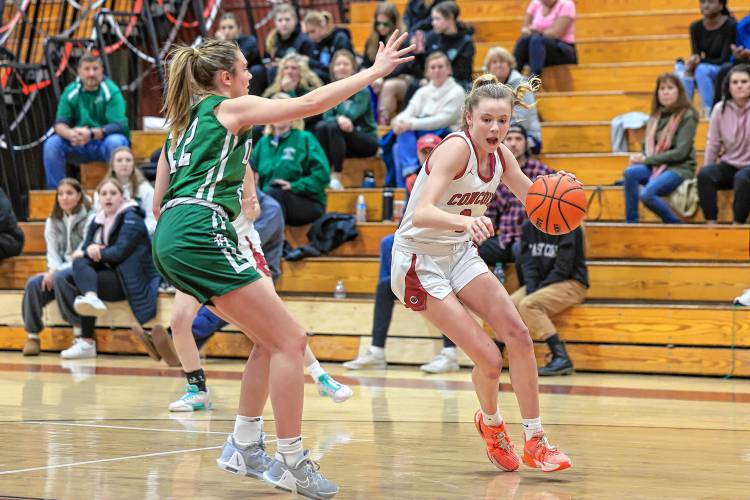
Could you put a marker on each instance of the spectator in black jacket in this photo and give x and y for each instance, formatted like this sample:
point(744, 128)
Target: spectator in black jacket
point(229, 29)
point(327, 39)
point(452, 38)
point(285, 38)
point(115, 264)
point(711, 40)
point(554, 269)
point(11, 236)
point(418, 15)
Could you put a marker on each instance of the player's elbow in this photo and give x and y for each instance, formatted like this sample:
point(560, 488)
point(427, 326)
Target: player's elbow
point(418, 219)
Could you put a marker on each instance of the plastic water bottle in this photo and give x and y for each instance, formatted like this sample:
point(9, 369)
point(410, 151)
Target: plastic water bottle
point(361, 209)
point(499, 272)
point(679, 68)
point(339, 292)
point(368, 179)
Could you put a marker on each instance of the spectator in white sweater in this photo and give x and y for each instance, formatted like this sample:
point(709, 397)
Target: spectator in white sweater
point(137, 188)
point(434, 109)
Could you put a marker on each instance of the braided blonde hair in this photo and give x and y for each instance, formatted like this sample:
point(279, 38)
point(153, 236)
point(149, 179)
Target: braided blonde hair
point(487, 87)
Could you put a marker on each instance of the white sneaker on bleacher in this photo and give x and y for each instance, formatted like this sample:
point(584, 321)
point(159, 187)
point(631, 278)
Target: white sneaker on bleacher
point(336, 185)
point(89, 305)
point(744, 299)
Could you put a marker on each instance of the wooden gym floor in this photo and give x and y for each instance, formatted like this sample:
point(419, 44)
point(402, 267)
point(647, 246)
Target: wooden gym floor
point(99, 429)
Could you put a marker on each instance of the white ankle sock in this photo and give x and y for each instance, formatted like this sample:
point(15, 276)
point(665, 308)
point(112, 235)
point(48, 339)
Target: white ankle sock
point(93, 295)
point(315, 370)
point(289, 450)
point(33, 336)
point(493, 420)
point(77, 331)
point(449, 351)
point(377, 351)
point(247, 430)
point(531, 426)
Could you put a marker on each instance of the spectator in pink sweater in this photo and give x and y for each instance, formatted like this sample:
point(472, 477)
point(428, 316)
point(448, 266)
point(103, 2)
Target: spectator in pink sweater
point(727, 161)
point(548, 35)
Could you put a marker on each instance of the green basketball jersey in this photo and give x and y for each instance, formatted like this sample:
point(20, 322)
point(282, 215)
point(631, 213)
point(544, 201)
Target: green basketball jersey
point(208, 162)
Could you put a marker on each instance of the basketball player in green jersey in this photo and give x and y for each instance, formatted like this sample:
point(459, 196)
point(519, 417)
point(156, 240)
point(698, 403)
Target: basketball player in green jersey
point(195, 246)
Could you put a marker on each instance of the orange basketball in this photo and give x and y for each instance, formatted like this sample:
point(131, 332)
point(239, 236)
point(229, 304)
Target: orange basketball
point(556, 203)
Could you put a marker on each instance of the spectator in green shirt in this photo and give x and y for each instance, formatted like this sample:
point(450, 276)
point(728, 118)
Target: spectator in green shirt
point(90, 122)
point(347, 130)
point(293, 169)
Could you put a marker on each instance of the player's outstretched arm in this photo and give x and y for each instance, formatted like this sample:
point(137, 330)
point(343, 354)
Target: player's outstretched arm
point(445, 164)
point(243, 112)
point(513, 177)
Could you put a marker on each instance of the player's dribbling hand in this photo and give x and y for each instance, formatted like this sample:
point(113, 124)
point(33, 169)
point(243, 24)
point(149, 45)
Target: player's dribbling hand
point(480, 229)
point(569, 174)
point(389, 56)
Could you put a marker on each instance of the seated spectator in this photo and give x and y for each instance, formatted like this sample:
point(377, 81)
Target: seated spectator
point(728, 134)
point(229, 29)
point(374, 357)
point(137, 188)
point(295, 79)
point(293, 169)
point(418, 15)
point(391, 90)
point(115, 265)
point(547, 35)
point(507, 214)
point(90, 122)
point(327, 39)
point(454, 39)
point(502, 64)
point(63, 233)
point(711, 40)
point(556, 278)
point(285, 38)
point(347, 130)
point(11, 236)
point(740, 55)
point(434, 109)
point(668, 156)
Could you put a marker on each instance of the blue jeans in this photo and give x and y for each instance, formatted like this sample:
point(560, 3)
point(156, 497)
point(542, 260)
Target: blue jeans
point(57, 150)
point(664, 184)
point(539, 51)
point(205, 325)
point(270, 227)
point(705, 76)
point(405, 152)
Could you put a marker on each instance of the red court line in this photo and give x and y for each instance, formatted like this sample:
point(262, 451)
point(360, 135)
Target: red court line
point(455, 385)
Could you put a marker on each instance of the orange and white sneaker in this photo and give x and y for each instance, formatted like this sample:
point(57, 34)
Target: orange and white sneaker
point(539, 454)
point(500, 449)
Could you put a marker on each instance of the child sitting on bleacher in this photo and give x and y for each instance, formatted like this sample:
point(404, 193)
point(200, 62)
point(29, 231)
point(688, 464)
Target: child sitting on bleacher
point(668, 156)
point(347, 130)
point(137, 188)
point(63, 234)
point(711, 40)
point(115, 265)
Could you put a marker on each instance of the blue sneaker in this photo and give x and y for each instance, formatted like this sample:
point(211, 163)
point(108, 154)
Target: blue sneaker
point(252, 461)
point(337, 391)
point(304, 478)
point(192, 400)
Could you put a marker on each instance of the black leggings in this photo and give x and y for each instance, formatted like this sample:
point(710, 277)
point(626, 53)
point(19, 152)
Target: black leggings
point(339, 145)
point(712, 178)
point(90, 276)
point(298, 209)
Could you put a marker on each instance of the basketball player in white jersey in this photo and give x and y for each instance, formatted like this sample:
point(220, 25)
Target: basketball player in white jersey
point(437, 270)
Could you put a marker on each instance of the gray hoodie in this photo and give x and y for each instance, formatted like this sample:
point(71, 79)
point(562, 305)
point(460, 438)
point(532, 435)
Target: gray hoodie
point(64, 236)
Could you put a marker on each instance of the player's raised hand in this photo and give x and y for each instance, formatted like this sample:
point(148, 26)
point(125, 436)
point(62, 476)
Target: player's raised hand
point(391, 54)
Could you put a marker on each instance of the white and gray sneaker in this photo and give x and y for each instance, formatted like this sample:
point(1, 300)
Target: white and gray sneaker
point(192, 400)
point(251, 461)
point(304, 479)
point(442, 363)
point(744, 299)
point(80, 349)
point(367, 360)
point(87, 305)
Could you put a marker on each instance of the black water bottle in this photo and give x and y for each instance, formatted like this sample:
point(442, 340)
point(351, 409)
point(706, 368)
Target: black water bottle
point(387, 204)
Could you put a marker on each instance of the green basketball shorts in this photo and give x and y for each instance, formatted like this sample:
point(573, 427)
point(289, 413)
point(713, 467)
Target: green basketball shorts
point(195, 248)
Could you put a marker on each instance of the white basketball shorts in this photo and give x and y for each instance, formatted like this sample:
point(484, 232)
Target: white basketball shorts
point(416, 273)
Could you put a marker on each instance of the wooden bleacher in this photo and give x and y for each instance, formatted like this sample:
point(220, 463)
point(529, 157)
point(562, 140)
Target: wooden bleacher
point(660, 294)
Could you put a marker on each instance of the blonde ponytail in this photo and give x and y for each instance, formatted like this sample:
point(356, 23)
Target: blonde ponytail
point(180, 90)
point(487, 86)
point(191, 75)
